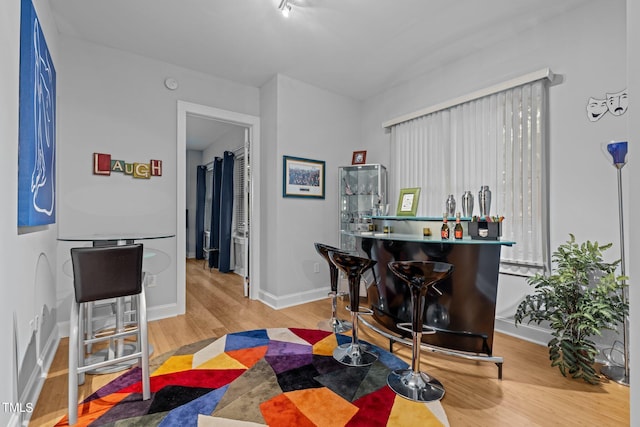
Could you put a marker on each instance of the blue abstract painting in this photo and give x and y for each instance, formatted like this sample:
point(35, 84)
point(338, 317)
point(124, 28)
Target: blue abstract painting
point(37, 128)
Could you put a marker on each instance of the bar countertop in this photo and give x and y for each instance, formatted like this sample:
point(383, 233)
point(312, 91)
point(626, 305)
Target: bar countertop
point(405, 237)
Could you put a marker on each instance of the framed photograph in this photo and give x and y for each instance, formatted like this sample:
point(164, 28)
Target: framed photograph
point(408, 202)
point(302, 177)
point(359, 158)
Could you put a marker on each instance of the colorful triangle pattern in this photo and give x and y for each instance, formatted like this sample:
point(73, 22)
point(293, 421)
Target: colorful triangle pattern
point(279, 377)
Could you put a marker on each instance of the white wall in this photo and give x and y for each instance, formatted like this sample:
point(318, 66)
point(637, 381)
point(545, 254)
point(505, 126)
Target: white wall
point(116, 103)
point(588, 48)
point(28, 255)
point(314, 124)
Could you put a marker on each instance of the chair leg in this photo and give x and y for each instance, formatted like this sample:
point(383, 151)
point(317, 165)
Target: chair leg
point(144, 344)
point(81, 323)
point(73, 363)
point(88, 325)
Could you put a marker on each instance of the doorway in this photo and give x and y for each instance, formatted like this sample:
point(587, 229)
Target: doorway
point(252, 124)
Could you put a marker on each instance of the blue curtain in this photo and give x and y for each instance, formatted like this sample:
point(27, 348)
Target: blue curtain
point(215, 212)
point(201, 187)
point(226, 212)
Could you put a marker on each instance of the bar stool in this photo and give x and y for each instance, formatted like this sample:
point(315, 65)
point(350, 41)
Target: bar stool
point(353, 353)
point(333, 324)
point(419, 276)
point(101, 273)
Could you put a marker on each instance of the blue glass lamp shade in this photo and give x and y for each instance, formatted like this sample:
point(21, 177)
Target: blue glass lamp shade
point(618, 151)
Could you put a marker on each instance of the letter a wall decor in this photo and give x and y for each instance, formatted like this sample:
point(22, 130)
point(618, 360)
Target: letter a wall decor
point(37, 126)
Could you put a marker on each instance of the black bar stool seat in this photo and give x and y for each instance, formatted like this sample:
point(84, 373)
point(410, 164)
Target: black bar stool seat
point(334, 324)
point(419, 276)
point(353, 353)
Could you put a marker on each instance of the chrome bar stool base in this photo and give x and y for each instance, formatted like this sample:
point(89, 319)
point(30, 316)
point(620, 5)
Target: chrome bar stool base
point(416, 386)
point(354, 355)
point(335, 325)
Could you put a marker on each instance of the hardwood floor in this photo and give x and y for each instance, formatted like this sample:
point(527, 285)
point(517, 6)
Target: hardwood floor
point(531, 393)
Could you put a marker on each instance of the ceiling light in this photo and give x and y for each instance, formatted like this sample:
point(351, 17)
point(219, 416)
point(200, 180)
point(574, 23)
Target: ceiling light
point(285, 8)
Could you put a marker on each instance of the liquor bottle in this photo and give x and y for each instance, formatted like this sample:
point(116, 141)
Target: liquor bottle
point(457, 231)
point(444, 231)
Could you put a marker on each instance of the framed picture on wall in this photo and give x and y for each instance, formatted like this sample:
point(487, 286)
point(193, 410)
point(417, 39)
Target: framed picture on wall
point(408, 202)
point(37, 124)
point(302, 177)
point(359, 158)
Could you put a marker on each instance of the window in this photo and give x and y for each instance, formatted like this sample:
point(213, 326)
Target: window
point(496, 140)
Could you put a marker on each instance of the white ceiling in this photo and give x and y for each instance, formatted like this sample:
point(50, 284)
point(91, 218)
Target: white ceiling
point(357, 48)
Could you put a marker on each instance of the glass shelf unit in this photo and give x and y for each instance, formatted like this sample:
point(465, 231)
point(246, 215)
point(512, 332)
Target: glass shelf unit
point(363, 193)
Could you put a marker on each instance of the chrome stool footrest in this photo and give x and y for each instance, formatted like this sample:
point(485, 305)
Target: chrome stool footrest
point(361, 310)
point(407, 328)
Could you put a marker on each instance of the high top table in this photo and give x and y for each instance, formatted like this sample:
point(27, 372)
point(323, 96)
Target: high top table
point(116, 239)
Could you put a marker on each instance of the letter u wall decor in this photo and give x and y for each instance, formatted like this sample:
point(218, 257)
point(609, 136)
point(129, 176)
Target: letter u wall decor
point(37, 127)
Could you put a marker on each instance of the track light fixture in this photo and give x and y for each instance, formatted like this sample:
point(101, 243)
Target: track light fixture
point(285, 8)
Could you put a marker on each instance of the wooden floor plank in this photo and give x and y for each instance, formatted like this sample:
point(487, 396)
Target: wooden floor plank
point(531, 393)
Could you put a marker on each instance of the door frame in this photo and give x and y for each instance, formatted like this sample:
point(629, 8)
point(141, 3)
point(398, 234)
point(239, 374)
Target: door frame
point(253, 124)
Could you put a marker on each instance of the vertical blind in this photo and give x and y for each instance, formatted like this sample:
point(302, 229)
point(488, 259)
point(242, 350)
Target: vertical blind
point(240, 215)
point(497, 140)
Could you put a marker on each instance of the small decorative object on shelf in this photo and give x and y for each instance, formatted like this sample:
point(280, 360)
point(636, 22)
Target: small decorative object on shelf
point(359, 158)
point(484, 199)
point(444, 231)
point(457, 231)
point(408, 201)
point(347, 188)
point(450, 206)
point(486, 228)
point(467, 204)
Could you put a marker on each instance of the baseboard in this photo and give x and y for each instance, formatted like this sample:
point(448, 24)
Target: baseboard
point(290, 300)
point(162, 311)
point(532, 333)
point(37, 378)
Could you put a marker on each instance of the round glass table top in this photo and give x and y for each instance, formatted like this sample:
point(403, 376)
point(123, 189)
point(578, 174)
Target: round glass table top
point(113, 236)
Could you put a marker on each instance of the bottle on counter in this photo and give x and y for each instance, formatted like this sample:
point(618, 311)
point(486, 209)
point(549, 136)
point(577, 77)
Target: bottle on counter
point(457, 231)
point(444, 231)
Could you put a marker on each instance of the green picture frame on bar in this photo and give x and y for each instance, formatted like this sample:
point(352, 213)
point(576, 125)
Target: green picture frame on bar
point(408, 201)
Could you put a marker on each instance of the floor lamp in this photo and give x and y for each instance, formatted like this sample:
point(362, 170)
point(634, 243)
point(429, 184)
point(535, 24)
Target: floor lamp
point(620, 374)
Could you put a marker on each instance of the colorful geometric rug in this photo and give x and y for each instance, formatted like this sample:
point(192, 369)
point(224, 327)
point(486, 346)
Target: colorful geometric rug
point(277, 377)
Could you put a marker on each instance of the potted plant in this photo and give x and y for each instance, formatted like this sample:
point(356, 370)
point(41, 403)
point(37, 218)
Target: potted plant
point(581, 297)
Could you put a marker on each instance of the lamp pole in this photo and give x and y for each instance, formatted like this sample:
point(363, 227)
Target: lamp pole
point(620, 374)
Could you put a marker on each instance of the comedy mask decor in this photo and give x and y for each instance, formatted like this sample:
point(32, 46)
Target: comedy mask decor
point(614, 103)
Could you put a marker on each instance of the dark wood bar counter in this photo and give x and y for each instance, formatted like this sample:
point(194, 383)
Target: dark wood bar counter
point(461, 311)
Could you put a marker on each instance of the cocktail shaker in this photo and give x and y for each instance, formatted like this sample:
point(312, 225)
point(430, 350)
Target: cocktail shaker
point(467, 204)
point(484, 198)
point(451, 205)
